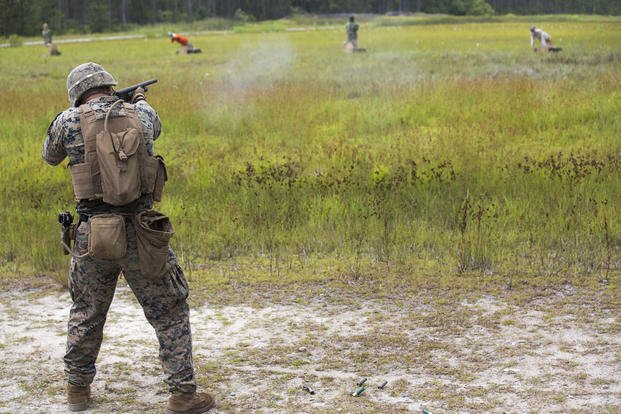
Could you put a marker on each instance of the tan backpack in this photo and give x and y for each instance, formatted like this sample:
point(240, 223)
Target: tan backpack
point(121, 155)
point(116, 165)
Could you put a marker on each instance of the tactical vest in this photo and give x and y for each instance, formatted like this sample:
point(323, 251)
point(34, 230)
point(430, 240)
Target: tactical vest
point(116, 168)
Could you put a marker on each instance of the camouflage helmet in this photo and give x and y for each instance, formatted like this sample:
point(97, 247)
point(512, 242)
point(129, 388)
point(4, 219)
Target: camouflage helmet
point(85, 77)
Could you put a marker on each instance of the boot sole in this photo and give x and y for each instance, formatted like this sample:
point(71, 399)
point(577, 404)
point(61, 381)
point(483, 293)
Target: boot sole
point(193, 411)
point(78, 406)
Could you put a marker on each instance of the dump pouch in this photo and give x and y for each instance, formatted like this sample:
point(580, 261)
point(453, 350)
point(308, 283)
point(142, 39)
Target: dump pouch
point(153, 233)
point(107, 239)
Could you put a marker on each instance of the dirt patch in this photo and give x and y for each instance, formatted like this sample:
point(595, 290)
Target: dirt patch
point(559, 353)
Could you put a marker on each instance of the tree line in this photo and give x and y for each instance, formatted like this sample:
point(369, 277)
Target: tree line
point(24, 17)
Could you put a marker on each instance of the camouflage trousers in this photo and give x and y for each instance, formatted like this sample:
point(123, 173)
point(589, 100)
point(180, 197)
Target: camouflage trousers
point(92, 284)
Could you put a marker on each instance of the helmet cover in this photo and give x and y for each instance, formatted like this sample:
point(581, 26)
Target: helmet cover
point(85, 77)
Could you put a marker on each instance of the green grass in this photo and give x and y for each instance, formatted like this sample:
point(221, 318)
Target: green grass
point(446, 147)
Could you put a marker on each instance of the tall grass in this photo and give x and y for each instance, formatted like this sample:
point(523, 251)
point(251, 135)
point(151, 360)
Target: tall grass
point(453, 145)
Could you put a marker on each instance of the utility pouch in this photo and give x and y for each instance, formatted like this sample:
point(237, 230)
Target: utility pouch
point(82, 178)
point(153, 233)
point(107, 239)
point(155, 177)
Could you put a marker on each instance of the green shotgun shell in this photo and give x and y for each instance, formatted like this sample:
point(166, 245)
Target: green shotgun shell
point(358, 392)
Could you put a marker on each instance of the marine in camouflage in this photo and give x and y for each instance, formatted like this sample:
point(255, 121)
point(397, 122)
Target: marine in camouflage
point(352, 32)
point(46, 33)
point(92, 282)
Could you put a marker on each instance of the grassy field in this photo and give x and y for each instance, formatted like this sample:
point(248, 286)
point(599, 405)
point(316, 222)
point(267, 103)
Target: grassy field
point(446, 148)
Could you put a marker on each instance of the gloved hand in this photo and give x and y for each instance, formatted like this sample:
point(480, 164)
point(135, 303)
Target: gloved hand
point(138, 95)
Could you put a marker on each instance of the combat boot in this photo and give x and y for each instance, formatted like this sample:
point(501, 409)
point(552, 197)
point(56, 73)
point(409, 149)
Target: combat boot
point(189, 403)
point(77, 397)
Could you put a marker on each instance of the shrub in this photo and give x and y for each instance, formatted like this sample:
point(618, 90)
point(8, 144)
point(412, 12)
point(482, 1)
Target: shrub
point(479, 8)
point(471, 8)
point(15, 41)
point(243, 16)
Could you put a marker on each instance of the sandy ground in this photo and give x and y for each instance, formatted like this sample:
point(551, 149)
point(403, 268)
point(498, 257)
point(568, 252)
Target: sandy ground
point(557, 354)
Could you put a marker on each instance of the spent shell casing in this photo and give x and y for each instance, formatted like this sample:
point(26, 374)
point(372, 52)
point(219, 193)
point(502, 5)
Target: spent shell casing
point(358, 392)
point(362, 381)
point(308, 390)
point(382, 385)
